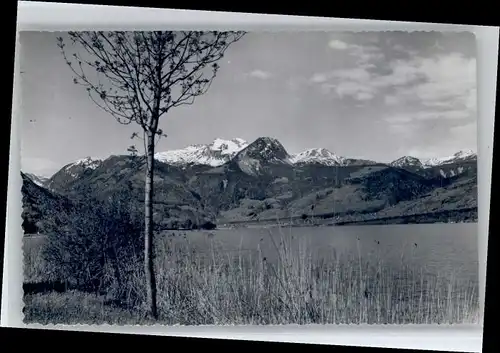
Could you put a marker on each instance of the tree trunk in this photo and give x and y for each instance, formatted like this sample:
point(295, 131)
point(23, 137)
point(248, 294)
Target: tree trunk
point(148, 230)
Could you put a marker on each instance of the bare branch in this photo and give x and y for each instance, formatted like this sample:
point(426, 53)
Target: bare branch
point(139, 76)
point(134, 71)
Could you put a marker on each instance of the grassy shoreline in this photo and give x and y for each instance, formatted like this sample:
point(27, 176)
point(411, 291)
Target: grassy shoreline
point(465, 215)
point(218, 288)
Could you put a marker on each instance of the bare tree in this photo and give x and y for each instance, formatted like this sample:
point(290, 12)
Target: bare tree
point(137, 77)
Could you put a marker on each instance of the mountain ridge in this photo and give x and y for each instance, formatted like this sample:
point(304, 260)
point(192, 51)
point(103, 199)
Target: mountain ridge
point(218, 152)
point(221, 151)
point(260, 180)
point(315, 155)
point(39, 180)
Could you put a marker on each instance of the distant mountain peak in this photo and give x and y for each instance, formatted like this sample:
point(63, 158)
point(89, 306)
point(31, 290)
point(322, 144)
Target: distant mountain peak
point(317, 156)
point(460, 156)
point(269, 142)
point(266, 149)
point(410, 161)
point(73, 171)
point(87, 162)
point(216, 153)
point(464, 153)
point(407, 161)
point(268, 139)
point(37, 179)
point(228, 147)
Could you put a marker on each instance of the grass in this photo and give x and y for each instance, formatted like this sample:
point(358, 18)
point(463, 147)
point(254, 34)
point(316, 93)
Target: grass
point(215, 287)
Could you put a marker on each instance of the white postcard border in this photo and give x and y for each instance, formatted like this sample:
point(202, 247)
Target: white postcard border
point(37, 16)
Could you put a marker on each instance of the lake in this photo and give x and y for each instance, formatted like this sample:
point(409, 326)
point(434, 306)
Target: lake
point(444, 250)
point(447, 251)
point(422, 273)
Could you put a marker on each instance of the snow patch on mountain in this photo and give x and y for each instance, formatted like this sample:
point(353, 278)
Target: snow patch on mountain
point(228, 147)
point(250, 166)
point(215, 154)
point(317, 156)
point(407, 161)
point(273, 146)
point(74, 169)
point(87, 162)
point(38, 179)
point(462, 155)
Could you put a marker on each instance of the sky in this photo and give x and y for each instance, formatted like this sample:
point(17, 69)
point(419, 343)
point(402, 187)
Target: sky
point(373, 95)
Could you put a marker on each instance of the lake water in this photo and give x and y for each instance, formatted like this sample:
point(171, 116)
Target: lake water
point(443, 250)
point(427, 272)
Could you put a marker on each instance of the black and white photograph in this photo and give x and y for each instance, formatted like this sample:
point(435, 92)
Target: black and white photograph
point(249, 178)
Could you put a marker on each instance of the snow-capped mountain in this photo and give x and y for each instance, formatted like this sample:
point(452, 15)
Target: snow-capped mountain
point(73, 171)
point(262, 153)
point(445, 167)
point(460, 156)
point(87, 162)
point(37, 179)
point(317, 156)
point(75, 168)
point(218, 152)
point(221, 151)
point(327, 158)
point(407, 161)
point(266, 149)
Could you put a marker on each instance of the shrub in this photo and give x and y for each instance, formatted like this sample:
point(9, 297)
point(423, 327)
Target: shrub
point(207, 225)
point(95, 244)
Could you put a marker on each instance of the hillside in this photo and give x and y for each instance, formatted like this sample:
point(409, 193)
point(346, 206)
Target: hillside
point(37, 179)
point(40, 205)
point(370, 191)
point(175, 206)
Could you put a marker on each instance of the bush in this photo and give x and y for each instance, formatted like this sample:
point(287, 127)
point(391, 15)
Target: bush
point(96, 245)
point(207, 225)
